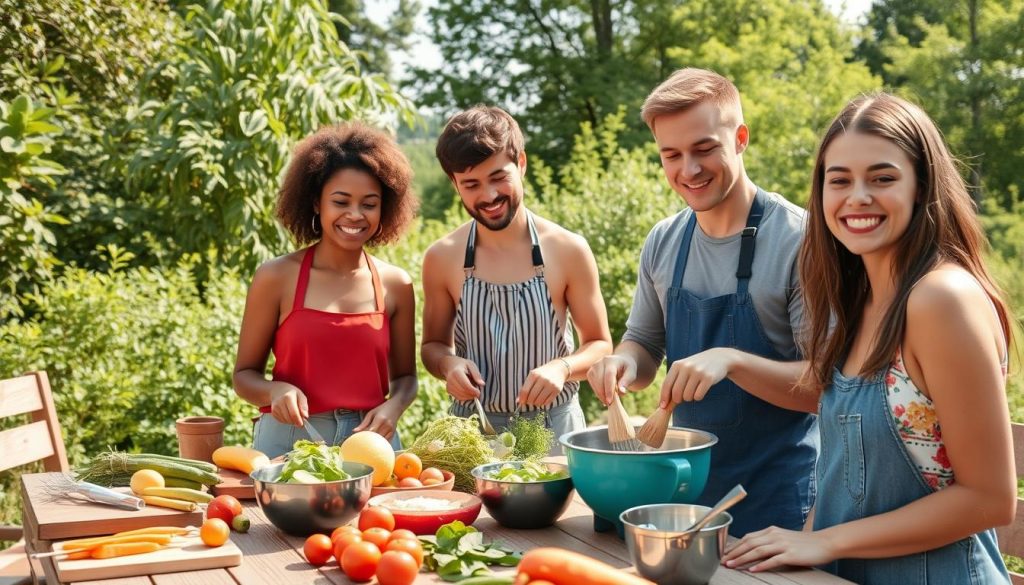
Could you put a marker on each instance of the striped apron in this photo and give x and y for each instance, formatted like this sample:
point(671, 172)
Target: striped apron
point(508, 330)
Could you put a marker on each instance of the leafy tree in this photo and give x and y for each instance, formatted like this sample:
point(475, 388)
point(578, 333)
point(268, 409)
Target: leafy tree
point(26, 240)
point(789, 61)
point(372, 41)
point(966, 73)
point(249, 79)
point(887, 20)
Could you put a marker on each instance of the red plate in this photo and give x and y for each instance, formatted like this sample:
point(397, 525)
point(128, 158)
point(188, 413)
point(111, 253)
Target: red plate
point(428, 521)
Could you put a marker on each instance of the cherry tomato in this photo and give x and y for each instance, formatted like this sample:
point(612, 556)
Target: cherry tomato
point(346, 529)
point(403, 533)
point(342, 541)
point(413, 547)
point(377, 536)
point(376, 516)
point(359, 561)
point(397, 568)
point(214, 532)
point(318, 550)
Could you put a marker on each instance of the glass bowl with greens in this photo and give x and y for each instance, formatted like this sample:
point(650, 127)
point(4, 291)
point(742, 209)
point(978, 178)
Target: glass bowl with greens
point(313, 490)
point(524, 494)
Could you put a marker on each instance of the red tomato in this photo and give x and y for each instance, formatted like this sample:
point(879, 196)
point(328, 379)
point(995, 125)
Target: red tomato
point(221, 510)
point(318, 550)
point(346, 529)
point(403, 533)
point(342, 541)
point(359, 561)
point(377, 536)
point(231, 503)
point(397, 568)
point(413, 547)
point(376, 517)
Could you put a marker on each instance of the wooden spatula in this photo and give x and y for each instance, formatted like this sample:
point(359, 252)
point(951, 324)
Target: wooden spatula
point(621, 434)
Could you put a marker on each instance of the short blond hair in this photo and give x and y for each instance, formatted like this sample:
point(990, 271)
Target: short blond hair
point(690, 87)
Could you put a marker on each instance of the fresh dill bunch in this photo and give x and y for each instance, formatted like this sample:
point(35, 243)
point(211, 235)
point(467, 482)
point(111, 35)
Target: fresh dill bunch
point(533, 439)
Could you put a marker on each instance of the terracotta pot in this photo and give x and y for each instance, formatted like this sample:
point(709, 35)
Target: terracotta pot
point(200, 436)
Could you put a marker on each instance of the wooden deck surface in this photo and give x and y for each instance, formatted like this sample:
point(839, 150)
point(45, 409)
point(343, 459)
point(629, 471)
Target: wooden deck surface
point(271, 557)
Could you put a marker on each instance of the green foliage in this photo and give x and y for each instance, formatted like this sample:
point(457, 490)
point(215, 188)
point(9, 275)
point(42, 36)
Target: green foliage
point(375, 42)
point(437, 195)
point(789, 61)
point(249, 80)
point(964, 70)
point(26, 242)
point(129, 350)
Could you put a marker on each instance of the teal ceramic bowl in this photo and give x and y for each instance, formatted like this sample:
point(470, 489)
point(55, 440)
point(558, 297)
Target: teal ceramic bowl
point(611, 481)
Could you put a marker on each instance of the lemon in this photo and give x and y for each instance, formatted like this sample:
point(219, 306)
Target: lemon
point(372, 449)
point(145, 478)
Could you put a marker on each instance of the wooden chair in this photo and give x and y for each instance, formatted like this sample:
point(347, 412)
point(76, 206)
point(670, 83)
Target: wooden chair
point(39, 440)
point(1011, 537)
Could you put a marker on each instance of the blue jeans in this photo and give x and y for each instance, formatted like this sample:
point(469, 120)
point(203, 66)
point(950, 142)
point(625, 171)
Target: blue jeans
point(275, 438)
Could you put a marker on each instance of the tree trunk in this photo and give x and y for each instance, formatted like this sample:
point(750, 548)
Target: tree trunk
point(975, 97)
point(602, 14)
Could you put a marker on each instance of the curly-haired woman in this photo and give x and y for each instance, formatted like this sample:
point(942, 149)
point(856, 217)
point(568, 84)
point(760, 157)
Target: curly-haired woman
point(340, 322)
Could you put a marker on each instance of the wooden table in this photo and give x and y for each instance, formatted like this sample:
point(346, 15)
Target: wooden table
point(272, 557)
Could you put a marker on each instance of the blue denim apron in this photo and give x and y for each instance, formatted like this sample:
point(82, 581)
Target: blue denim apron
point(856, 482)
point(769, 450)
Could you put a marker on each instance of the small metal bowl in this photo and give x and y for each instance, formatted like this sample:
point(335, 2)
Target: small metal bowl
point(669, 555)
point(523, 504)
point(301, 509)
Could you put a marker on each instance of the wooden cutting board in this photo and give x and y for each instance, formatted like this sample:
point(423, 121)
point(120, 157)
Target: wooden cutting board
point(73, 518)
point(234, 483)
point(192, 556)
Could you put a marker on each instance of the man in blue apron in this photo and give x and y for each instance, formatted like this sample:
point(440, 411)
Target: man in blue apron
point(707, 303)
point(498, 306)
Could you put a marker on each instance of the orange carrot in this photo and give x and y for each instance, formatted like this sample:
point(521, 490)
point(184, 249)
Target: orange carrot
point(78, 554)
point(109, 551)
point(563, 567)
point(172, 530)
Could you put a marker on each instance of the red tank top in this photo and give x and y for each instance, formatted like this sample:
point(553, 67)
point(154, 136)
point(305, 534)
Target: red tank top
point(339, 360)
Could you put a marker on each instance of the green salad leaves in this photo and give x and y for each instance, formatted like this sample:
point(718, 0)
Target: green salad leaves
point(458, 552)
point(527, 472)
point(310, 462)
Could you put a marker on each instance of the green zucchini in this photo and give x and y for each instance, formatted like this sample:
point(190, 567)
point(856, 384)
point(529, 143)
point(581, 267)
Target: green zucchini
point(204, 465)
point(179, 494)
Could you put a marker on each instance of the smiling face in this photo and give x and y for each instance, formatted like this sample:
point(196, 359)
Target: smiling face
point(492, 191)
point(700, 151)
point(350, 208)
point(869, 192)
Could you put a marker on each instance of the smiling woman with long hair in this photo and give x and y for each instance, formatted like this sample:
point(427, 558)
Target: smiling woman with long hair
point(907, 351)
point(339, 321)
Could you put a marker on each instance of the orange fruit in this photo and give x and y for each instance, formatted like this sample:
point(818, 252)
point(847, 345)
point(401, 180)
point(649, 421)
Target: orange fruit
point(372, 449)
point(214, 532)
point(408, 465)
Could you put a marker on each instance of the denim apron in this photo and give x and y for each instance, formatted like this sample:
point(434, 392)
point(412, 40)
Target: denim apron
point(769, 450)
point(852, 410)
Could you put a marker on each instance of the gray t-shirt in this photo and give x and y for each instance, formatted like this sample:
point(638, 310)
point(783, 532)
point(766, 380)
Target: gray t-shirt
point(711, 272)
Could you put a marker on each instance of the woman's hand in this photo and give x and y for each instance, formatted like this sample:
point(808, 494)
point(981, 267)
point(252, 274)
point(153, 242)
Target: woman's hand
point(382, 420)
point(775, 547)
point(288, 404)
point(543, 384)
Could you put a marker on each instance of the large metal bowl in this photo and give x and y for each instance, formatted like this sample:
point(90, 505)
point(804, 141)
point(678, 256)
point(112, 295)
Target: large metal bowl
point(668, 554)
point(301, 509)
point(523, 505)
point(610, 481)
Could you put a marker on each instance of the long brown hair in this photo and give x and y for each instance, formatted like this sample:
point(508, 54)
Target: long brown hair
point(943, 228)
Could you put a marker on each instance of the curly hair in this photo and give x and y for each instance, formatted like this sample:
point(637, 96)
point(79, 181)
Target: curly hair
point(346, 146)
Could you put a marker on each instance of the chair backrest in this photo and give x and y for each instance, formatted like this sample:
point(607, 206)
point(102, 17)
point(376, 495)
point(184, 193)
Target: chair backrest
point(1011, 537)
point(38, 440)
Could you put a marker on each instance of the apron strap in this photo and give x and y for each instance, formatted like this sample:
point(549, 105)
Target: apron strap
point(470, 259)
point(538, 258)
point(684, 251)
point(743, 268)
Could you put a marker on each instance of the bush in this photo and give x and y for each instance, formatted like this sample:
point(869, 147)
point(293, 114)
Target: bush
point(129, 350)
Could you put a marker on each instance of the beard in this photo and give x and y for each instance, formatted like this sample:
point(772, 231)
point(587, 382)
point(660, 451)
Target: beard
point(495, 224)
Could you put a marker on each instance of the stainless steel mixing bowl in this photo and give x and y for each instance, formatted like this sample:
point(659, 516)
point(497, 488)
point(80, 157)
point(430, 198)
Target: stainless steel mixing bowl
point(523, 505)
point(664, 552)
point(304, 508)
